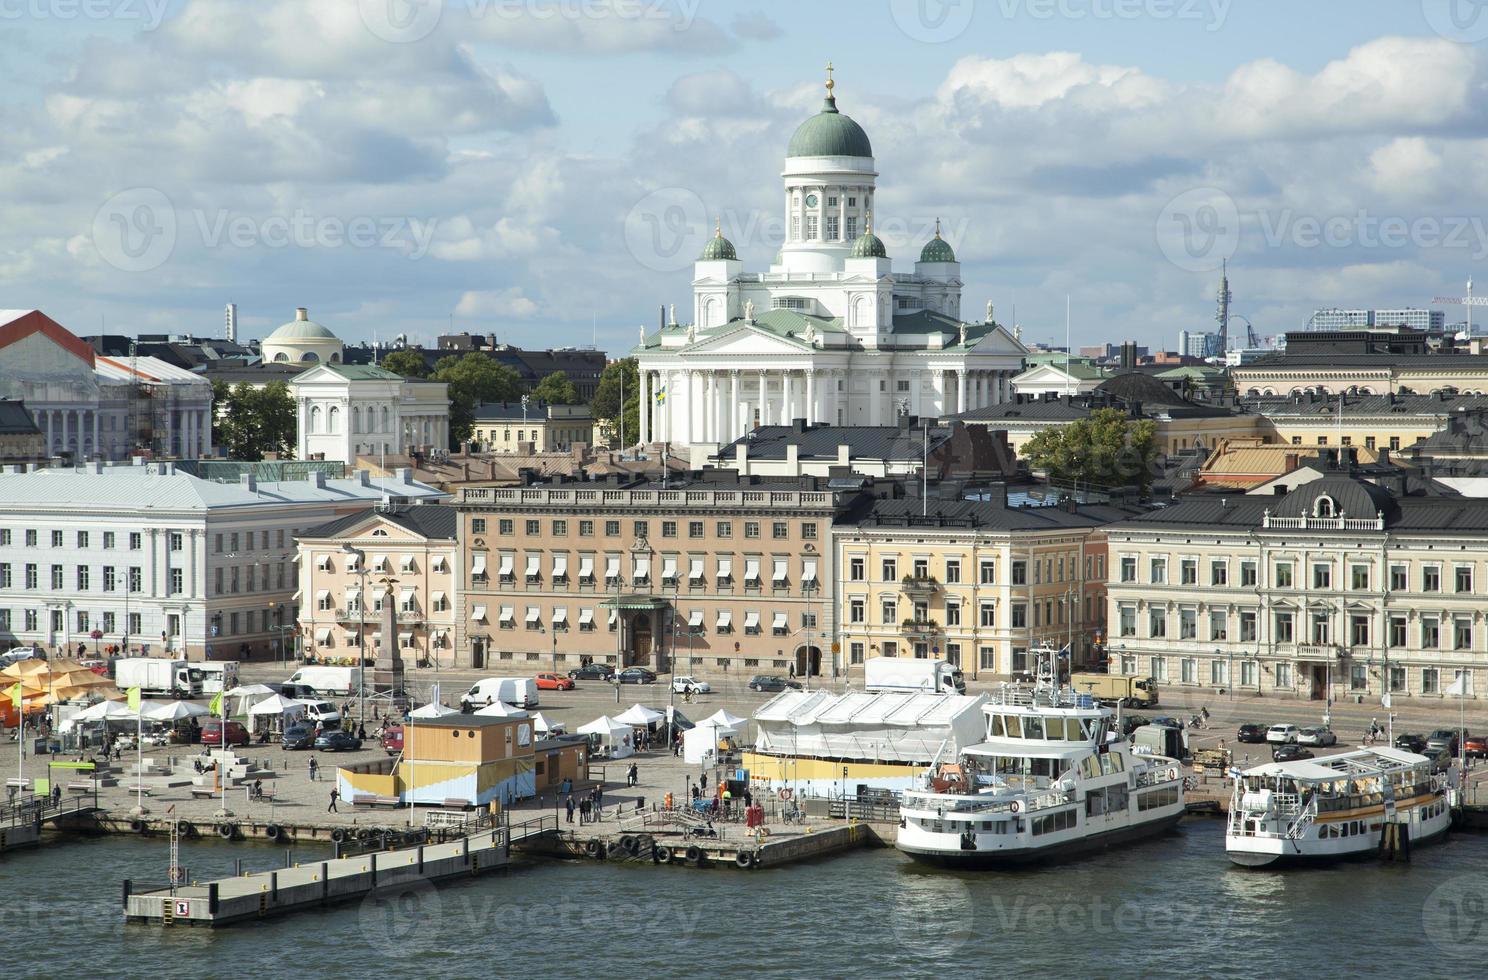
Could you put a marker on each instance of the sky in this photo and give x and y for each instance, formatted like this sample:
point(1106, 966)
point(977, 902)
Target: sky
point(546, 170)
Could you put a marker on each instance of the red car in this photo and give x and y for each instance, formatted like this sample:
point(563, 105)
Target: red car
point(554, 682)
point(392, 740)
point(1476, 746)
point(212, 733)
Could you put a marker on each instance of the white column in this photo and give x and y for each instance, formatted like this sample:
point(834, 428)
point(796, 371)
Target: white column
point(961, 390)
point(764, 397)
point(811, 395)
point(710, 433)
point(644, 397)
point(787, 398)
point(736, 421)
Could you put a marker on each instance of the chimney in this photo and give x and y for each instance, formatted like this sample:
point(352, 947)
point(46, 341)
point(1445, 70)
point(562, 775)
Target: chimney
point(364, 478)
point(301, 313)
point(316, 479)
point(404, 475)
point(798, 425)
point(248, 483)
point(1128, 355)
point(1291, 462)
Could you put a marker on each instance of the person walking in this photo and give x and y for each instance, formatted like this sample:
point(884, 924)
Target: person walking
point(632, 775)
point(568, 805)
point(583, 811)
point(314, 768)
point(335, 795)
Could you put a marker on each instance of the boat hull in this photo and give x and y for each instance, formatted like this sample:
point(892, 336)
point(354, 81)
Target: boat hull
point(1311, 859)
point(1025, 856)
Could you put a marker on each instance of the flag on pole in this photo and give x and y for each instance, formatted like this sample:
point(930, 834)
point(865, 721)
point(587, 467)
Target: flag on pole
point(134, 699)
point(661, 394)
point(15, 695)
point(1458, 688)
point(216, 705)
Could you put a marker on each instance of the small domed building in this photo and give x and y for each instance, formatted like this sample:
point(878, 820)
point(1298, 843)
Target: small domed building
point(301, 340)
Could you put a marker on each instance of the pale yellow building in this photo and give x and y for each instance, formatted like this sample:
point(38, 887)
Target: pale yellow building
point(533, 426)
point(976, 583)
point(1382, 421)
point(352, 567)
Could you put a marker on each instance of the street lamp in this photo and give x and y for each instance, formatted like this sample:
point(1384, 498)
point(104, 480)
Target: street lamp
point(361, 562)
point(277, 615)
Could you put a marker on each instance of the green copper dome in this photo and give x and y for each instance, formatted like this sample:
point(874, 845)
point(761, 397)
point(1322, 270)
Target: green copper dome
point(869, 246)
point(937, 249)
point(829, 134)
point(718, 247)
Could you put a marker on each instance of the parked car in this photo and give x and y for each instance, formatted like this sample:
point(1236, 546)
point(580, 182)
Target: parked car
point(323, 713)
point(592, 672)
point(99, 667)
point(1281, 734)
point(1251, 733)
point(17, 654)
point(392, 740)
point(768, 682)
point(1476, 746)
point(691, 685)
point(636, 675)
point(554, 682)
point(1444, 738)
point(212, 733)
point(1289, 752)
point(337, 741)
point(1411, 743)
point(1319, 735)
point(1167, 721)
point(297, 736)
point(1130, 723)
point(1441, 759)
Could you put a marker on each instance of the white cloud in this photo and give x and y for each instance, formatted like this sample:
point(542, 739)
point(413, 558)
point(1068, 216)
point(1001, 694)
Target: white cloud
point(496, 303)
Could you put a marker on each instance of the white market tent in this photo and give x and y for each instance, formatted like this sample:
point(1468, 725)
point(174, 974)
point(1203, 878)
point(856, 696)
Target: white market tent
point(700, 744)
point(724, 719)
point(104, 711)
point(248, 695)
point(889, 727)
point(639, 716)
point(500, 709)
point(544, 727)
point(432, 710)
point(611, 736)
point(172, 710)
point(277, 705)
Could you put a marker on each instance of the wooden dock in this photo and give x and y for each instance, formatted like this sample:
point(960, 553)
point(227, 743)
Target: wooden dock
point(736, 848)
point(268, 893)
point(21, 821)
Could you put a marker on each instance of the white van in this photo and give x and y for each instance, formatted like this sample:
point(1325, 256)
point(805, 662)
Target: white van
point(217, 675)
point(322, 713)
point(326, 680)
point(519, 692)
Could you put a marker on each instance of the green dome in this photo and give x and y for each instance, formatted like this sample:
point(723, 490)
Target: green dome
point(869, 246)
point(301, 328)
point(937, 249)
point(718, 247)
point(829, 134)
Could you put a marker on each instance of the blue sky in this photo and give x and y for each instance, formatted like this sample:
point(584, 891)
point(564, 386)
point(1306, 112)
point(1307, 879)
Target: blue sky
point(499, 165)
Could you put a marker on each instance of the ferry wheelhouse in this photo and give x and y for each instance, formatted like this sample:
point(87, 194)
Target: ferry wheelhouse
point(1053, 779)
point(1333, 808)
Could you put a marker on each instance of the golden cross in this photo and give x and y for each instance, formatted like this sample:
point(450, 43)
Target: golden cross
point(830, 83)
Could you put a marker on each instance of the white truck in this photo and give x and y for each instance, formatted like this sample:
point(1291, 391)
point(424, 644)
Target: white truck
point(326, 680)
point(158, 675)
point(519, 692)
point(912, 674)
point(217, 675)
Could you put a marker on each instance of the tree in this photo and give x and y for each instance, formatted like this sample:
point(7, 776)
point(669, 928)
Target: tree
point(250, 422)
point(410, 364)
point(556, 389)
point(606, 406)
point(473, 379)
point(1107, 450)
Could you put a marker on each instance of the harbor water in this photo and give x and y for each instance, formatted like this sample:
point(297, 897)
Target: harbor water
point(1168, 907)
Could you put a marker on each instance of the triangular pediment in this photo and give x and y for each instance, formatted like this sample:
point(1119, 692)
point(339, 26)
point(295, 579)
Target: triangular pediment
point(999, 341)
point(746, 339)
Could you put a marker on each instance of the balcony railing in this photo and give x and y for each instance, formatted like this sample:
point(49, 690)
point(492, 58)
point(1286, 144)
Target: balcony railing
point(920, 585)
point(1319, 651)
point(919, 627)
point(410, 616)
point(1304, 523)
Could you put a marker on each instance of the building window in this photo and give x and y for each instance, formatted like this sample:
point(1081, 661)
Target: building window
point(641, 529)
point(1219, 673)
point(1463, 578)
point(1247, 626)
point(1218, 625)
point(669, 529)
point(5, 576)
point(1397, 680)
point(57, 577)
point(1127, 620)
point(953, 572)
point(31, 577)
point(808, 530)
point(1285, 625)
point(560, 529)
point(856, 570)
point(1157, 668)
point(1462, 633)
point(1431, 579)
point(1283, 676)
point(1359, 631)
point(1358, 677)
point(1188, 624)
point(694, 529)
point(1397, 631)
point(82, 539)
point(988, 573)
point(56, 539)
point(857, 611)
point(1219, 573)
point(1248, 574)
point(83, 578)
point(177, 582)
point(1020, 573)
point(30, 537)
point(1188, 570)
point(1159, 571)
point(889, 608)
point(1322, 628)
point(751, 529)
point(987, 615)
point(108, 540)
point(175, 541)
point(953, 614)
point(855, 652)
point(1430, 680)
point(136, 579)
point(1322, 576)
point(1157, 622)
point(1020, 616)
point(1399, 576)
point(890, 570)
point(586, 529)
point(1359, 577)
point(1283, 575)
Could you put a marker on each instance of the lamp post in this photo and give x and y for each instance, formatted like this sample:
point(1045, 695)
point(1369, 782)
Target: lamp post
point(361, 561)
point(276, 615)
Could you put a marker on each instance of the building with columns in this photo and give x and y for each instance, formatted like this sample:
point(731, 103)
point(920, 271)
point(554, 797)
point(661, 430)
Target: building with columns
point(347, 410)
point(90, 406)
point(831, 333)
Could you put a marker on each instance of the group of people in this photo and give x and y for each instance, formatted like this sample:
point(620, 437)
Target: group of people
point(588, 805)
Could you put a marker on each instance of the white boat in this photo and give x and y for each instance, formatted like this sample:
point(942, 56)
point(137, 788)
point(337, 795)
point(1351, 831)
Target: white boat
point(1053, 779)
point(1337, 807)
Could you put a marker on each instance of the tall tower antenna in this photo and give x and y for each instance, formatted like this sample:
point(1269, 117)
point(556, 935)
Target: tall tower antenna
point(231, 320)
point(1223, 316)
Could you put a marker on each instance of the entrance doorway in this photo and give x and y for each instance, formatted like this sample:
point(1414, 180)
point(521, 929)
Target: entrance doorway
point(478, 652)
point(808, 661)
point(1319, 685)
point(640, 640)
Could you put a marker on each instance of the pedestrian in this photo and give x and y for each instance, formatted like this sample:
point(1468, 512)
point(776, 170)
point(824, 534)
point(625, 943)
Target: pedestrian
point(335, 795)
point(584, 810)
point(748, 797)
point(633, 776)
point(703, 781)
point(56, 795)
point(568, 805)
point(314, 768)
point(362, 732)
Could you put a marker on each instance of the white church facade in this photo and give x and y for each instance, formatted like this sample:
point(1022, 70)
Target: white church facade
point(831, 333)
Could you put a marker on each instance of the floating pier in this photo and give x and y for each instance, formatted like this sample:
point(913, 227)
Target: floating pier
point(267, 893)
point(736, 849)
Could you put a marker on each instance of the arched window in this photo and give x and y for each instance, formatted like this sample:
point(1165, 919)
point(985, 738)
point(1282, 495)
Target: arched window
point(333, 417)
point(1324, 507)
point(315, 418)
point(356, 418)
point(335, 358)
point(309, 355)
point(380, 533)
point(281, 357)
point(386, 426)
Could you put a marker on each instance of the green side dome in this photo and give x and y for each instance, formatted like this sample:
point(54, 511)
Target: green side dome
point(718, 247)
point(829, 134)
point(937, 249)
point(869, 246)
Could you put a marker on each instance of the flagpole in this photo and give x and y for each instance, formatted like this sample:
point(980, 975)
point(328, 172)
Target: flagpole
point(222, 745)
point(139, 756)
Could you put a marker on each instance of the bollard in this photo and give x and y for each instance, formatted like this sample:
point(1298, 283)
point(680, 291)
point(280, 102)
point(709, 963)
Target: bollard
point(420, 859)
point(212, 898)
point(274, 885)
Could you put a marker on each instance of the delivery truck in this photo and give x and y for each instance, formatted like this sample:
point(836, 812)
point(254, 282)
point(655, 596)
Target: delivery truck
point(158, 675)
point(882, 674)
point(326, 680)
point(1133, 692)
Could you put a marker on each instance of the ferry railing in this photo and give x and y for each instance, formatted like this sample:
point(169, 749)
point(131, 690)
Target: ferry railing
point(1298, 827)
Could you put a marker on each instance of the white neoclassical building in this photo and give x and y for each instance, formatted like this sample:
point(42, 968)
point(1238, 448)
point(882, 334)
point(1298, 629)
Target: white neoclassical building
point(347, 410)
point(301, 340)
point(831, 333)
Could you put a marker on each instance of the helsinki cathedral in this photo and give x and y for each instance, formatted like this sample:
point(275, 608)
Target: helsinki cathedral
point(831, 333)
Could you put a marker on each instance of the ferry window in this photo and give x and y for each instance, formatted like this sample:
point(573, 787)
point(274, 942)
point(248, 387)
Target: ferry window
point(994, 728)
point(1033, 727)
point(1072, 731)
point(1054, 729)
point(1014, 729)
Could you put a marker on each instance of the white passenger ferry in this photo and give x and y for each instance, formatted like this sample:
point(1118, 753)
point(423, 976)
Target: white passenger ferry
point(1053, 779)
point(1333, 808)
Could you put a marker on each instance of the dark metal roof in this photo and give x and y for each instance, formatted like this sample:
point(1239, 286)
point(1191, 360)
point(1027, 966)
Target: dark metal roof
point(15, 419)
point(433, 521)
point(820, 441)
point(986, 515)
